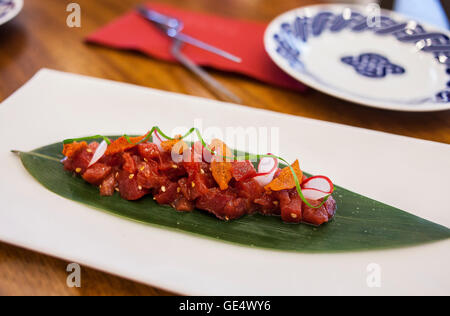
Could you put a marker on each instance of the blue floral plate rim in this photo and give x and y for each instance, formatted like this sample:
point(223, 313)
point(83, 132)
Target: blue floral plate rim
point(9, 9)
point(288, 34)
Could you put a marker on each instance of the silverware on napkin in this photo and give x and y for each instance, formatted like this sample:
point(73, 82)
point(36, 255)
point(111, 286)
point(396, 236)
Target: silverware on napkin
point(172, 28)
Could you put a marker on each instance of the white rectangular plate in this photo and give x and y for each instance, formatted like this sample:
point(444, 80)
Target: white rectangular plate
point(407, 173)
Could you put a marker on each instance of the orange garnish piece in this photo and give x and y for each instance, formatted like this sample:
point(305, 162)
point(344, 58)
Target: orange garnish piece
point(285, 179)
point(221, 172)
point(175, 144)
point(220, 166)
point(121, 144)
point(69, 150)
point(220, 150)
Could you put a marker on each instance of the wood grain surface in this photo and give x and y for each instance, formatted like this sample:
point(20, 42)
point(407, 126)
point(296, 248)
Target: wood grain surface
point(39, 37)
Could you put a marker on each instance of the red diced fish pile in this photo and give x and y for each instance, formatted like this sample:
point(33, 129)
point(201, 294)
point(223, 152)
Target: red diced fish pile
point(227, 189)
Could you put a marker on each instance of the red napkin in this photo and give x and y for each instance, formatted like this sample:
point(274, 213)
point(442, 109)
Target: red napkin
point(241, 38)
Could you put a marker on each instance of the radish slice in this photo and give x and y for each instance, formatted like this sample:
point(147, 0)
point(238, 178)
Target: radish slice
point(99, 152)
point(267, 165)
point(320, 183)
point(207, 155)
point(196, 153)
point(317, 187)
point(266, 170)
point(158, 139)
point(314, 194)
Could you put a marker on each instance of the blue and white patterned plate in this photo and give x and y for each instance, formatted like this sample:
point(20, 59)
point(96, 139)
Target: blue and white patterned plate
point(390, 62)
point(9, 9)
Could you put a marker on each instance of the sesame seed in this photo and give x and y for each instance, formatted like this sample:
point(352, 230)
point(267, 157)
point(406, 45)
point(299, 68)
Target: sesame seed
point(142, 168)
point(100, 186)
point(227, 218)
point(193, 184)
point(117, 174)
point(178, 189)
point(140, 187)
point(78, 170)
point(131, 176)
point(117, 189)
point(293, 215)
point(154, 198)
point(174, 166)
point(275, 203)
point(89, 150)
point(202, 171)
point(145, 159)
point(163, 188)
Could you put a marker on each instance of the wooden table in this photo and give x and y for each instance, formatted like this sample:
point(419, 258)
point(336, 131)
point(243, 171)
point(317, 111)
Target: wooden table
point(39, 37)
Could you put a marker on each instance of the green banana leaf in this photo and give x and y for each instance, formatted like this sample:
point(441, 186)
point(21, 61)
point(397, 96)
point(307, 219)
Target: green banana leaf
point(360, 223)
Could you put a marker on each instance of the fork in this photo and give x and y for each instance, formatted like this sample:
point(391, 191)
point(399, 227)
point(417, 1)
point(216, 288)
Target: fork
point(172, 28)
point(215, 86)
